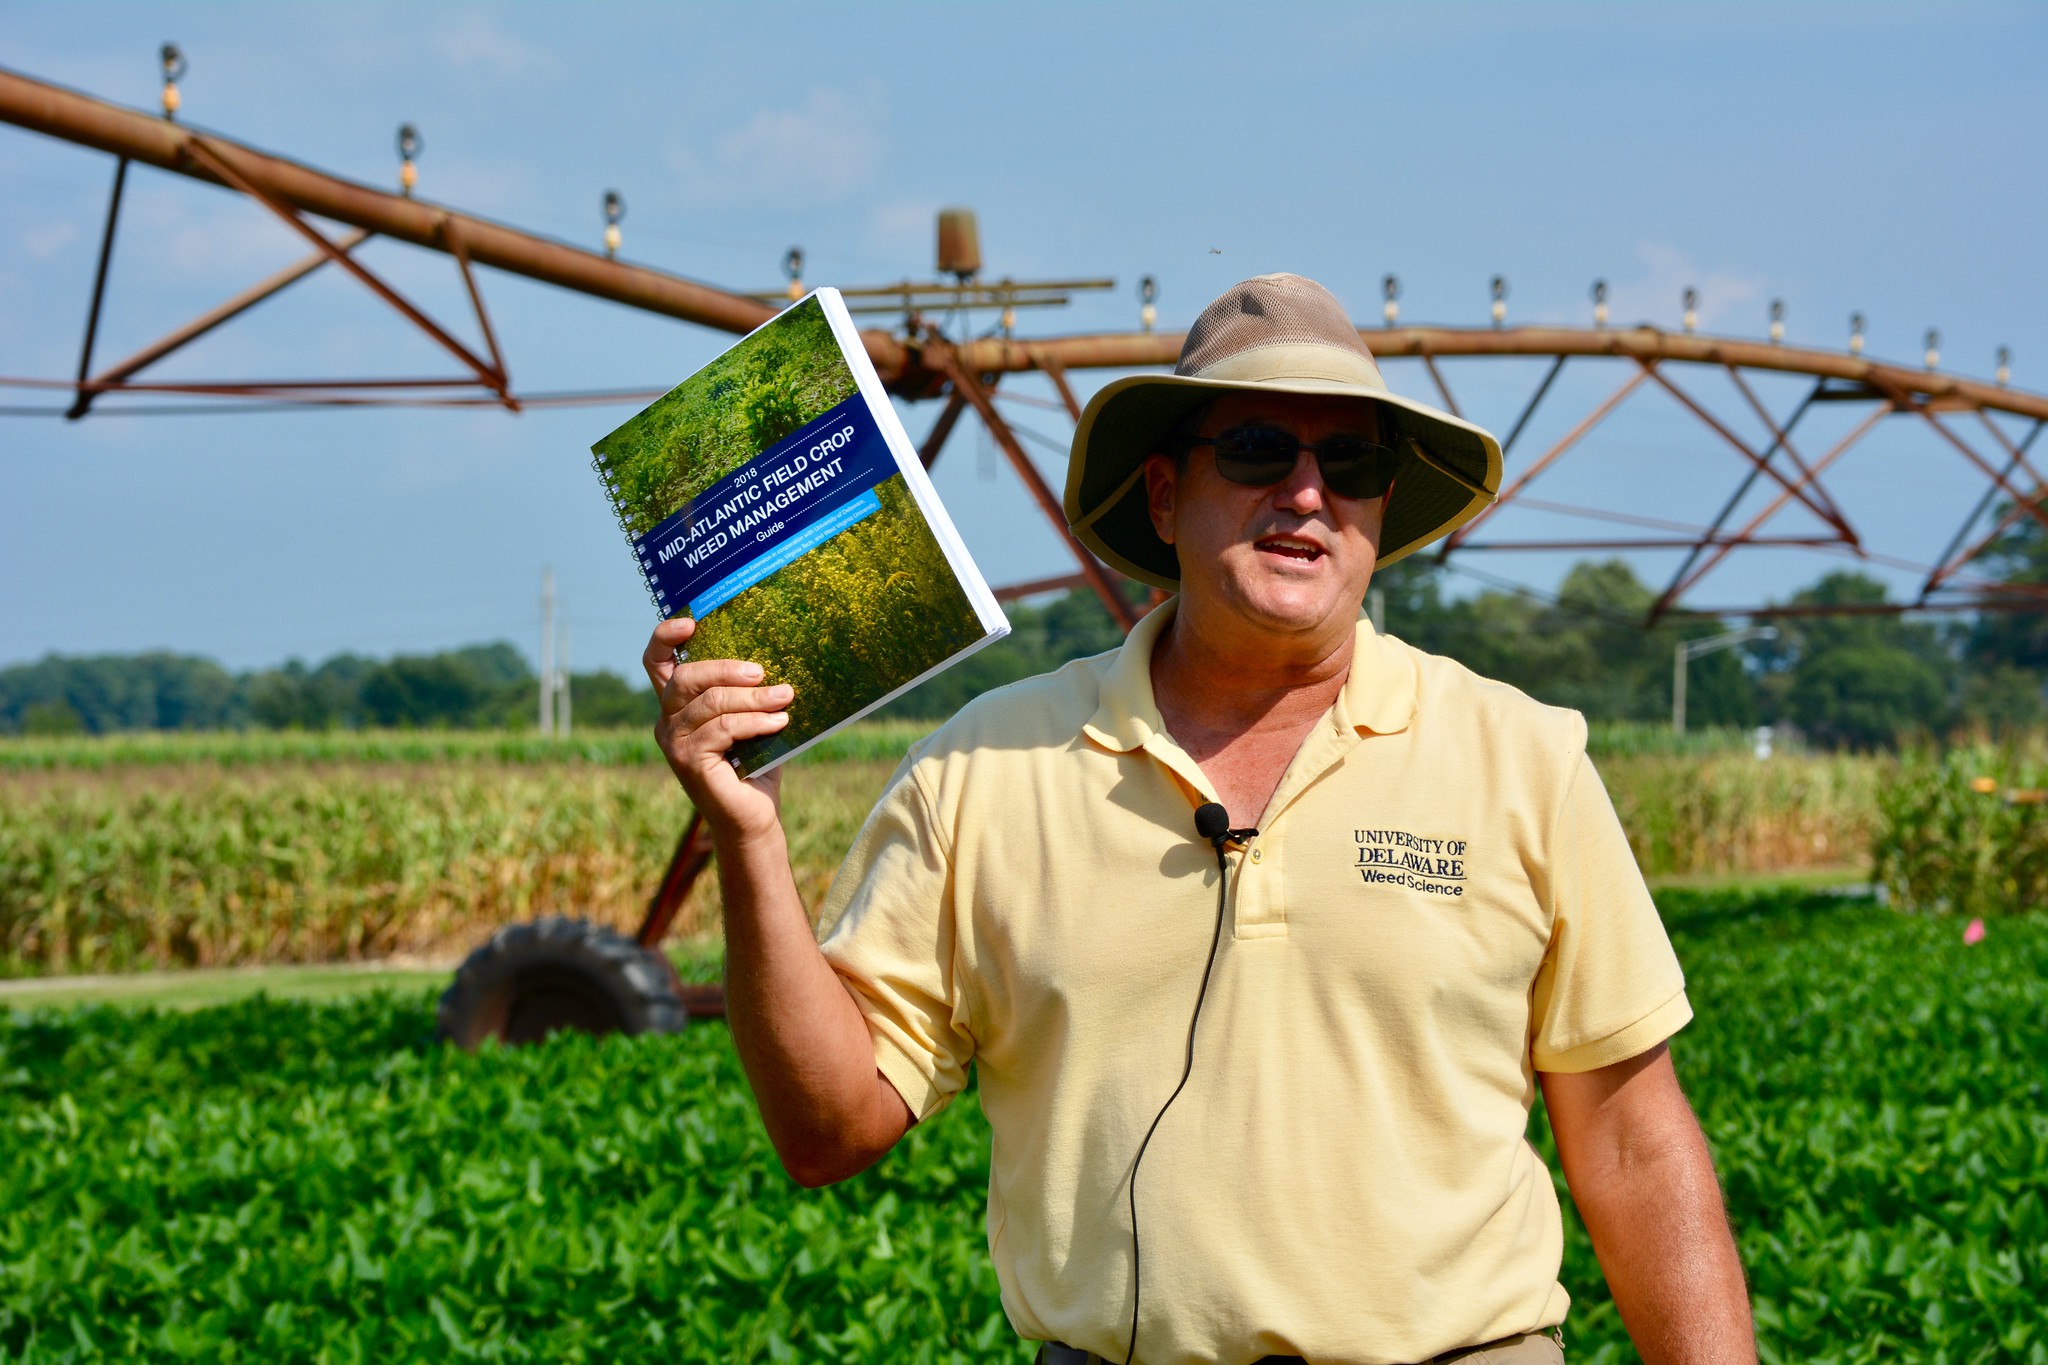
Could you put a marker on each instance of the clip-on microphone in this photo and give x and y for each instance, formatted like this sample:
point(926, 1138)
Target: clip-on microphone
point(1212, 823)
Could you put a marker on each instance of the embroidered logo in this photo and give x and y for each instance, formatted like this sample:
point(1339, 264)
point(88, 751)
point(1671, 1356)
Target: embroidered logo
point(1394, 857)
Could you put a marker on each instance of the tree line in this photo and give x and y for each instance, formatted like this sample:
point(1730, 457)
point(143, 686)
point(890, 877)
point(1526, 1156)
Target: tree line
point(479, 687)
point(1858, 681)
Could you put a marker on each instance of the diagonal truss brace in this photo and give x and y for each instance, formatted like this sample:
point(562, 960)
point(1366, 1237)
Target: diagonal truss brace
point(1797, 489)
point(491, 376)
point(1905, 402)
point(1681, 586)
point(968, 387)
point(1779, 436)
point(83, 399)
point(1548, 458)
point(1781, 439)
point(1951, 561)
point(935, 439)
point(116, 376)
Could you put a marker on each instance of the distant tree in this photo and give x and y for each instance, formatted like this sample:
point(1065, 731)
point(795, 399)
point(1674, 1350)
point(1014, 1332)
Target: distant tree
point(155, 691)
point(1867, 696)
point(2016, 639)
point(1862, 678)
point(335, 690)
point(498, 664)
point(50, 718)
point(438, 689)
point(1590, 649)
point(294, 697)
point(191, 694)
point(284, 699)
point(2003, 700)
point(605, 700)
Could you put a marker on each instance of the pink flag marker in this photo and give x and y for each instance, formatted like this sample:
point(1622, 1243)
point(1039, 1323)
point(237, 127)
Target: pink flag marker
point(1974, 933)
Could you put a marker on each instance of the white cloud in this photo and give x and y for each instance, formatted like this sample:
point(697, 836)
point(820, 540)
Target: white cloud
point(904, 229)
point(42, 243)
point(822, 149)
point(474, 41)
point(1726, 298)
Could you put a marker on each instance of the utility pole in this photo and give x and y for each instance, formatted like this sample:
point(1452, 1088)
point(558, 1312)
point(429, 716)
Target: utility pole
point(547, 650)
point(562, 682)
point(1688, 650)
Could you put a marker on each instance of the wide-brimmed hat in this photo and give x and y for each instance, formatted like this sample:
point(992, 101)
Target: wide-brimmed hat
point(1272, 334)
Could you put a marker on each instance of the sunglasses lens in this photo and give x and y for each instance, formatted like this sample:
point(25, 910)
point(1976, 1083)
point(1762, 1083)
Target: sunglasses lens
point(1258, 455)
point(1261, 456)
point(1356, 468)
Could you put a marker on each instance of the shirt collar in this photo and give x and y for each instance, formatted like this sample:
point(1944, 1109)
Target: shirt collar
point(1378, 696)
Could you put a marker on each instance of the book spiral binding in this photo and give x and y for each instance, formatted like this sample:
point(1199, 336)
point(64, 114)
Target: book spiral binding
point(611, 488)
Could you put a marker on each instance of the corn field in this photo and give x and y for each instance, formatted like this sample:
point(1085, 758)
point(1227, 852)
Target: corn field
point(152, 851)
point(1966, 832)
point(202, 863)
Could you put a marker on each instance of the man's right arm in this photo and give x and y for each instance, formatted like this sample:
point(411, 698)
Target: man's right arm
point(802, 1040)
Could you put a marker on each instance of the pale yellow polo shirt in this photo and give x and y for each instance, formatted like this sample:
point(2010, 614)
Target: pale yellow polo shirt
point(1440, 902)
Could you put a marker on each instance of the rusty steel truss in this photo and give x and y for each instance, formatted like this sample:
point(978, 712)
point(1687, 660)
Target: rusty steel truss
point(918, 361)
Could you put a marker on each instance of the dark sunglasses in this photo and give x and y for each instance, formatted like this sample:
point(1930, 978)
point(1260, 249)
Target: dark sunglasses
point(1259, 455)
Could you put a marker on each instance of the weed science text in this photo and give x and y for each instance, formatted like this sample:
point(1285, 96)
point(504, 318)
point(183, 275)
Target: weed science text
point(1392, 857)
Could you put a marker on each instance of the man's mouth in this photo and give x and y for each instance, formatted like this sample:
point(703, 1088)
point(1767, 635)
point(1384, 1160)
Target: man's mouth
point(1297, 548)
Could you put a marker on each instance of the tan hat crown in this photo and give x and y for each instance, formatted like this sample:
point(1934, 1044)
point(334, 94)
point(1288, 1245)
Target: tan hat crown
point(1296, 326)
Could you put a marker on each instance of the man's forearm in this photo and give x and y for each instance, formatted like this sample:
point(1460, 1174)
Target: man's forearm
point(1662, 1237)
point(800, 1037)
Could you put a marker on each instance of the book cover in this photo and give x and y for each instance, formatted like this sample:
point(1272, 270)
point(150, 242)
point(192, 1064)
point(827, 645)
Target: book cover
point(774, 497)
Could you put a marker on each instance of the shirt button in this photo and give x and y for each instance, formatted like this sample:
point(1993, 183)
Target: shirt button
point(1257, 854)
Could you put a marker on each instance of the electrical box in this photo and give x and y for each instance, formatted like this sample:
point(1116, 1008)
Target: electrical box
point(959, 244)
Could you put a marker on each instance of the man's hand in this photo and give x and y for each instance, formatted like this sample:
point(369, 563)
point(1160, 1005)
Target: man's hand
point(706, 708)
point(805, 1046)
point(1643, 1180)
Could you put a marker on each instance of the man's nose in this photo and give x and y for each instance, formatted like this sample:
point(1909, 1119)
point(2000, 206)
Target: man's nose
point(1302, 490)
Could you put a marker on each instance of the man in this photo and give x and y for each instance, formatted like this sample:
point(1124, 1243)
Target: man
point(1322, 1017)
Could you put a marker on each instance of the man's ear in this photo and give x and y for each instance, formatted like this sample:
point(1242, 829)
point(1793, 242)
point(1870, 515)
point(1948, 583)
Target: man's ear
point(1162, 484)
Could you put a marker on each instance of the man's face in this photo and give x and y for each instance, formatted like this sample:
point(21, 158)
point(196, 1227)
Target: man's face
point(1287, 558)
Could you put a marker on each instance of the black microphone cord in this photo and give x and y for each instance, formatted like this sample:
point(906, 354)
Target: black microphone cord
point(1212, 822)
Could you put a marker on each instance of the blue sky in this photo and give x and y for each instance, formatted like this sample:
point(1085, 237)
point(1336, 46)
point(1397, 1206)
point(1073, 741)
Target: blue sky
point(1870, 156)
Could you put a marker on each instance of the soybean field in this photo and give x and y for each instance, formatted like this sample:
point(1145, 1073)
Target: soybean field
point(272, 1180)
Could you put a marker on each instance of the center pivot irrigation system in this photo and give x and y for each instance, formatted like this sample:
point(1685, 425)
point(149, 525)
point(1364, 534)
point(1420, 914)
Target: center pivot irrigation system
point(557, 973)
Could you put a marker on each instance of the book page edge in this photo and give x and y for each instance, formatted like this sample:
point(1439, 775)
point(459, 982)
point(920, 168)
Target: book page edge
point(915, 476)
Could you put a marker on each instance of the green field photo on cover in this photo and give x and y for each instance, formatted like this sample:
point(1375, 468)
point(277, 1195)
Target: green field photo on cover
point(848, 623)
point(786, 374)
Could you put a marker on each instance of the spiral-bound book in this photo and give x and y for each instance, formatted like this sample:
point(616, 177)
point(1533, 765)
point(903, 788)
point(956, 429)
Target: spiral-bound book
point(774, 497)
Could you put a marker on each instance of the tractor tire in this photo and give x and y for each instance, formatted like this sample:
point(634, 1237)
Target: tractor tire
point(533, 980)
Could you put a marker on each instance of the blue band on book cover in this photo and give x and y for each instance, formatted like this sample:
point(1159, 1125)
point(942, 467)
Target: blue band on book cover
point(774, 509)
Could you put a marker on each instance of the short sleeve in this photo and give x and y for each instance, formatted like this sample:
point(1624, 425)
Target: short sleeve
point(891, 939)
point(1610, 987)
